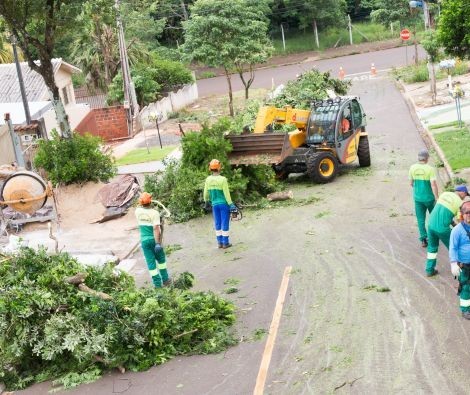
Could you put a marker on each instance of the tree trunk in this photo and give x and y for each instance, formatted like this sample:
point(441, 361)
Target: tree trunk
point(246, 83)
point(415, 42)
point(47, 72)
point(432, 78)
point(315, 30)
point(230, 94)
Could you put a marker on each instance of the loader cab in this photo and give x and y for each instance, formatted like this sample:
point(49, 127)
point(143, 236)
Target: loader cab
point(333, 121)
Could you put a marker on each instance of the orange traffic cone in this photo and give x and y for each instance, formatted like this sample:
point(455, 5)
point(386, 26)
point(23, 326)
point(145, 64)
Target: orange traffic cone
point(341, 73)
point(373, 70)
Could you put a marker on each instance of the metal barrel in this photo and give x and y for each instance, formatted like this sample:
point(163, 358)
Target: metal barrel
point(26, 190)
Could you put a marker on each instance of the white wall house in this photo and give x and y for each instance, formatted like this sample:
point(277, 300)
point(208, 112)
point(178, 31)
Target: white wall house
point(38, 94)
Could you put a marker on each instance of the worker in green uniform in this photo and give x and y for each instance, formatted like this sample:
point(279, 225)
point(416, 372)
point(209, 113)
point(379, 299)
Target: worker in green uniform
point(216, 193)
point(422, 178)
point(148, 220)
point(440, 220)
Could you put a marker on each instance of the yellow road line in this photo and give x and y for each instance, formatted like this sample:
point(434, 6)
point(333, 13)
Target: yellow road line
point(268, 348)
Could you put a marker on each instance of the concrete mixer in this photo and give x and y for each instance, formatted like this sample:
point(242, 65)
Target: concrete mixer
point(25, 192)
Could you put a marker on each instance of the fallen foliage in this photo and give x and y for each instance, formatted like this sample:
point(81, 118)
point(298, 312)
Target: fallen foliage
point(62, 321)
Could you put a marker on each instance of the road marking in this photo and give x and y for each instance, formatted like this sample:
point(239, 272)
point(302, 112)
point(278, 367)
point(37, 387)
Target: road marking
point(268, 348)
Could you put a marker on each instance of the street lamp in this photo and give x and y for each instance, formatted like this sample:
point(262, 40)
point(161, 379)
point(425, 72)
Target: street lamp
point(157, 117)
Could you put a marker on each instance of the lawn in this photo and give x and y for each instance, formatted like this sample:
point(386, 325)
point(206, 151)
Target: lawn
point(141, 155)
point(455, 145)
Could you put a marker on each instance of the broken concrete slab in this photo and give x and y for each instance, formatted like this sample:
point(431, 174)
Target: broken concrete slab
point(126, 265)
point(95, 259)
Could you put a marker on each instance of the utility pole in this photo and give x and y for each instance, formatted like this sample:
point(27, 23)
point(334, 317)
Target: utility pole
point(130, 97)
point(350, 30)
point(20, 80)
point(15, 141)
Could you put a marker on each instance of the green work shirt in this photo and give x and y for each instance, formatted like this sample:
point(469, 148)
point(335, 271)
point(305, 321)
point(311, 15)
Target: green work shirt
point(446, 208)
point(422, 174)
point(216, 190)
point(147, 218)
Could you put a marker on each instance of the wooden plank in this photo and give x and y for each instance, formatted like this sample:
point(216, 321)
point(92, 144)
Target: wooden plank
point(268, 349)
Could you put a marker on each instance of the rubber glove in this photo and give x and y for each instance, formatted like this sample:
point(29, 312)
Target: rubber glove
point(233, 207)
point(455, 269)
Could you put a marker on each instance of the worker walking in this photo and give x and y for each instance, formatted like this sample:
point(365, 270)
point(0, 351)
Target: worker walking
point(440, 220)
point(216, 193)
point(459, 255)
point(148, 220)
point(422, 178)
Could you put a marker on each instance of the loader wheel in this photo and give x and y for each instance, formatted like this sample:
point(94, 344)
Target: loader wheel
point(322, 167)
point(363, 152)
point(281, 174)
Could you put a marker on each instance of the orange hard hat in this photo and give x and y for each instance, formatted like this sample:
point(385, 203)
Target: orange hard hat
point(145, 198)
point(215, 165)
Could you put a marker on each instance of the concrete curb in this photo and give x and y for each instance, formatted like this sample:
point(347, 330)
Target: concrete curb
point(424, 130)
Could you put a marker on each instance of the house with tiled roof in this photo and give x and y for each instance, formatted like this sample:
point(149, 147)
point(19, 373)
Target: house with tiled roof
point(38, 95)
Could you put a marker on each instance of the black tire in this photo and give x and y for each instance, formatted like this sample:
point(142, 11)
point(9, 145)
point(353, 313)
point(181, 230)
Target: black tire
point(322, 167)
point(363, 152)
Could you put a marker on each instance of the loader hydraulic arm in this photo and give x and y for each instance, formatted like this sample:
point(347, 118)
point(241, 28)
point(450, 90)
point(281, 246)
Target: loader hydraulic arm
point(271, 115)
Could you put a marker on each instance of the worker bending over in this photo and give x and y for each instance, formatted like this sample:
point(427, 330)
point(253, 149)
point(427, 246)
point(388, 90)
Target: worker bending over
point(440, 220)
point(216, 193)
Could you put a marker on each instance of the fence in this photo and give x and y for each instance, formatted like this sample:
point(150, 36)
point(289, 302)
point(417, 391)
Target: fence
point(173, 102)
point(7, 153)
point(93, 99)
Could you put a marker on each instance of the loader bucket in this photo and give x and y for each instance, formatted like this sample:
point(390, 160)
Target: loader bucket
point(259, 149)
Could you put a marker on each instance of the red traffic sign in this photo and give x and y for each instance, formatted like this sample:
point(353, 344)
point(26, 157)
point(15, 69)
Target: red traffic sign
point(405, 34)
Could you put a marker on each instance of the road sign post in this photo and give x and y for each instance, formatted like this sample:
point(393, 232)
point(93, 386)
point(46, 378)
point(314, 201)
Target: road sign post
point(405, 36)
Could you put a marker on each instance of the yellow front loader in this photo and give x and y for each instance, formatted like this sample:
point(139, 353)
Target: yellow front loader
point(331, 133)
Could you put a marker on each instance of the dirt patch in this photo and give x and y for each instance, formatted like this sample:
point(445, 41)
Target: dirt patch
point(420, 92)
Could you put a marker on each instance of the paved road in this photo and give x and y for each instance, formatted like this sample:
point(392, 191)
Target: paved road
point(337, 333)
point(359, 63)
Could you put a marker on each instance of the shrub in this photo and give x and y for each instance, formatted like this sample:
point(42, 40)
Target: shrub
point(74, 160)
point(181, 186)
point(49, 329)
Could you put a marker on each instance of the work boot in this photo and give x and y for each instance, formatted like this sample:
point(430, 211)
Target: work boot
point(424, 243)
point(432, 274)
point(466, 315)
point(221, 245)
point(226, 246)
point(168, 282)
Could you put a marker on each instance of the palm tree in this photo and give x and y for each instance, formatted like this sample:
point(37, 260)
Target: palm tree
point(6, 52)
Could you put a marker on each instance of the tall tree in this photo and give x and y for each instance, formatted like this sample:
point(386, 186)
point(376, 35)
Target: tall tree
point(256, 47)
point(219, 32)
point(454, 27)
point(37, 24)
point(317, 13)
point(94, 47)
point(432, 46)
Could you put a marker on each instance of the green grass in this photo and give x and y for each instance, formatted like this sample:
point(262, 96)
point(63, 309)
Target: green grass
point(141, 155)
point(455, 145)
point(411, 74)
point(444, 125)
point(301, 41)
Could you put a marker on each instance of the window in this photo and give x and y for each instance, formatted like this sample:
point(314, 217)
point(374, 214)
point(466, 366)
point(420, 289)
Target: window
point(357, 114)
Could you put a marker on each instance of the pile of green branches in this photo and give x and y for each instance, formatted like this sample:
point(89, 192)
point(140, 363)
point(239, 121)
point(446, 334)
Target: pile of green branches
point(309, 86)
point(62, 321)
point(180, 187)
